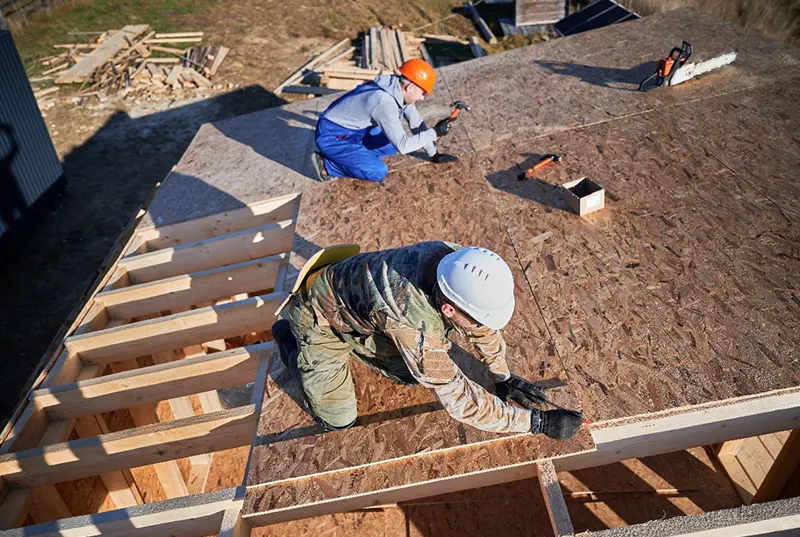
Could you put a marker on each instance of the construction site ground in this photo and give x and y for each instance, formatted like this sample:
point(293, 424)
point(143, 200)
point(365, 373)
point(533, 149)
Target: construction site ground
point(683, 291)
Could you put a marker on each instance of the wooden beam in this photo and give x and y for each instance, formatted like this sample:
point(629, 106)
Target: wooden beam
point(554, 499)
point(211, 253)
point(47, 504)
point(168, 472)
point(300, 73)
point(233, 525)
point(177, 331)
point(131, 448)
point(155, 383)
point(190, 289)
point(682, 428)
point(194, 516)
point(781, 470)
point(255, 215)
point(615, 440)
point(120, 484)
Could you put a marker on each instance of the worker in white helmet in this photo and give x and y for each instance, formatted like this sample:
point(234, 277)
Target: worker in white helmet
point(393, 310)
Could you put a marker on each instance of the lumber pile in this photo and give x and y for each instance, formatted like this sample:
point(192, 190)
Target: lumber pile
point(135, 61)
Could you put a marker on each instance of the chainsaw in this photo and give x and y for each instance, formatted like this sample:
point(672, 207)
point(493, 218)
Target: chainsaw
point(675, 68)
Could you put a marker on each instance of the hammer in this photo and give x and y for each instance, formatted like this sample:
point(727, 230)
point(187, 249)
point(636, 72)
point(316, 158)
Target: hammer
point(458, 106)
point(543, 163)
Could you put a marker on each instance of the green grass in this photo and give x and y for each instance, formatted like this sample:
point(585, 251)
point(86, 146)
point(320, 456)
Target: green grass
point(35, 39)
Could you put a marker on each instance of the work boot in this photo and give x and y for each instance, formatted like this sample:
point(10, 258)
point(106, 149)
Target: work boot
point(319, 167)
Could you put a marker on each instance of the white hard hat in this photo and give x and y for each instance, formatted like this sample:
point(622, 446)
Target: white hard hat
point(479, 282)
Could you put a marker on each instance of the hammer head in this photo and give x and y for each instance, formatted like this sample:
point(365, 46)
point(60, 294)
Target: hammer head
point(461, 105)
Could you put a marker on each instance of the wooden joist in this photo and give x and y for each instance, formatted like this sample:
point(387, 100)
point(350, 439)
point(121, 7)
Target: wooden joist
point(255, 215)
point(194, 516)
point(130, 448)
point(154, 383)
point(176, 331)
point(554, 499)
point(211, 253)
point(189, 289)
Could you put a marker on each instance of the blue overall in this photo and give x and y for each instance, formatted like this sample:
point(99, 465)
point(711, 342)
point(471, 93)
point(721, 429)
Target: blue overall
point(353, 153)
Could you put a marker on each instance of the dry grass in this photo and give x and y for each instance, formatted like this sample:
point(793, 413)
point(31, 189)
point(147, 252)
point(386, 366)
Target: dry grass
point(779, 19)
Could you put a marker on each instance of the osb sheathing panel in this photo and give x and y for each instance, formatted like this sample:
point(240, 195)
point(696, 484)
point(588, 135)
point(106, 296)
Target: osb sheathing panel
point(678, 292)
point(593, 77)
point(399, 421)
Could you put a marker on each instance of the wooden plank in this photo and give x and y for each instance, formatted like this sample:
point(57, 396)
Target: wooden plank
point(177, 331)
point(252, 216)
point(300, 73)
point(245, 245)
point(366, 46)
point(481, 24)
point(45, 92)
point(199, 79)
point(131, 448)
point(218, 59)
point(446, 38)
point(772, 443)
point(755, 459)
point(181, 292)
point(154, 383)
point(193, 516)
point(108, 49)
point(682, 428)
point(554, 499)
point(169, 50)
point(339, 56)
point(120, 484)
point(15, 508)
point(168, 472)
point(162, 60)
point(338, 71)
point(174, 40)
point(375, 48)
point(47, 504)
point(742, 483)
point(172, 79)
point(781, 470)
point(179, 34)
point(402, 47)
point(730, 448)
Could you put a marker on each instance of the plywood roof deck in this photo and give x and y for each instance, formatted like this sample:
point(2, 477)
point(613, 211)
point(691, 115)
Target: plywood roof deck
point(682, 291)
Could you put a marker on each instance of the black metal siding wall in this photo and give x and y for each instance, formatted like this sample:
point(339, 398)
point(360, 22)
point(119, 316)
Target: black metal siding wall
point(29, 165)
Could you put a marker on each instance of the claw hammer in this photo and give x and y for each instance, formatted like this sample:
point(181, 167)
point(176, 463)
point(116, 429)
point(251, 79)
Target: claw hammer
point(543, 162)
point(458, 106)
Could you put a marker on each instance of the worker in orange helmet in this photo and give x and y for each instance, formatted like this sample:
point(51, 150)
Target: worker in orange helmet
point(365, 125)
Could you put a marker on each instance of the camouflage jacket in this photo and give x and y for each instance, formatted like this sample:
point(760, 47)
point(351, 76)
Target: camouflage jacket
point(386, 300)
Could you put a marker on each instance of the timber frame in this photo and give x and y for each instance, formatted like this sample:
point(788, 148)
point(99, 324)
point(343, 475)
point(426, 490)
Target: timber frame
point(183, 311)
point(198, 298)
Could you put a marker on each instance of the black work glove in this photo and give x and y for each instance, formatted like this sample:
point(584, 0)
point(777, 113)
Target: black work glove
point(443, 158)
point(557, 424)
point(519, 390)
point(443, 127)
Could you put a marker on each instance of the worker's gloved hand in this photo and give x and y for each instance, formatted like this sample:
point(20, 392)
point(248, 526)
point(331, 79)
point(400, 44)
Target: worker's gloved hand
point(557, 424)
point(443, 158)
point(519, 390)
point(443, 127)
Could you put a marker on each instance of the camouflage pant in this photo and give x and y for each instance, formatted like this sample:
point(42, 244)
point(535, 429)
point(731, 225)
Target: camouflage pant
point(322, 363)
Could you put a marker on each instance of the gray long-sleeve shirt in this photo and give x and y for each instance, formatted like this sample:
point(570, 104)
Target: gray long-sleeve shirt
point(384, 108)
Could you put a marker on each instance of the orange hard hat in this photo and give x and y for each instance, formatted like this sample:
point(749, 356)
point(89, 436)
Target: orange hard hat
point(420, 73)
